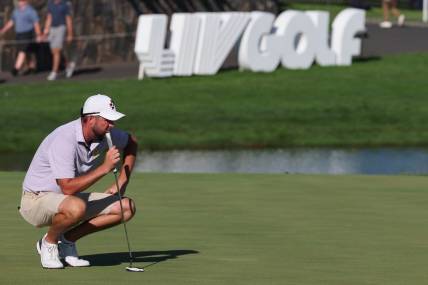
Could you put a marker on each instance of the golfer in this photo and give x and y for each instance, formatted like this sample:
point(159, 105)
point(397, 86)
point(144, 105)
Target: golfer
point(68, 162)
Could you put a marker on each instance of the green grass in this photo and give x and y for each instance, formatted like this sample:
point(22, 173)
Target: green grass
point(243, 229)
point(374, 14)
point(372, 103)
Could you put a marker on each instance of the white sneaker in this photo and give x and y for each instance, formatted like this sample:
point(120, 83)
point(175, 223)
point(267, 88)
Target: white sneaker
point(70, 69)
point(48, 254)
point(385, 24)
point(52, 76)
point(400, 20)
point(68, 252)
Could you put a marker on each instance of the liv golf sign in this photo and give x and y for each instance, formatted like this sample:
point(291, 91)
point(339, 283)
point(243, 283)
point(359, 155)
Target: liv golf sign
point(200, 42)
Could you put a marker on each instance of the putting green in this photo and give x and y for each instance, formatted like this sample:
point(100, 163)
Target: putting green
point(243, 229)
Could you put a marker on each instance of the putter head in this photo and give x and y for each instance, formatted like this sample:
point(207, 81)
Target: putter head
point(134, 269)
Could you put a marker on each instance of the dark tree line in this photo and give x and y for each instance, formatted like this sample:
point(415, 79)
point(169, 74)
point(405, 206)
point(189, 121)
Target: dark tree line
point(104, 29)
point(171, 6)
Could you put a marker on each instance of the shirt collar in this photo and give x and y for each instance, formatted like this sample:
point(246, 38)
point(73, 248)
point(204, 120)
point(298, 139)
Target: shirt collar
point(79, 131)
point(80, 138)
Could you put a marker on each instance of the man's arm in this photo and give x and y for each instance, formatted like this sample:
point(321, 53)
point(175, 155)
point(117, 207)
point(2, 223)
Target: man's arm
point(70, 186)
point(6, 27)
point(69, 23)
point(129, 156)
point(48, 23)
point(38, 31)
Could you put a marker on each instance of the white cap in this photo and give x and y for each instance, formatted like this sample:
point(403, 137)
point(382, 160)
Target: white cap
point(101, 105)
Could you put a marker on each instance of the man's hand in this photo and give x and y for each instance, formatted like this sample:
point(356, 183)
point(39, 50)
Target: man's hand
point(45, 36)
point(69, 39)
point(113, 188)
point(39, 38)
point(111, 159)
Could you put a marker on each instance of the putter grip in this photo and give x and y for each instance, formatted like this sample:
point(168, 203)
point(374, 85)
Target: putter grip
point(109, 141)
point(110, 145)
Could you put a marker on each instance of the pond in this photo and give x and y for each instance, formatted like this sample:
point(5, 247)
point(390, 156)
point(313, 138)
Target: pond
point(299, 160)
point(323, 161)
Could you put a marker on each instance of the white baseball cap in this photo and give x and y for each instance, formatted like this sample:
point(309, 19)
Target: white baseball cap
point(101, 105)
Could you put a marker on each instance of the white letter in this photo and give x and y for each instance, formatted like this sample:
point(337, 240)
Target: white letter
point(259, 49)
point(298, 39)
point(184, 39)
point(154, 60)
point(345, 26)
point(218, 34)
point(324, 55)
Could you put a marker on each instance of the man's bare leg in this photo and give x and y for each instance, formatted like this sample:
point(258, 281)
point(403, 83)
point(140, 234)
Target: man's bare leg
point(385, 9)
point(56, 59)
point(71, 212)
point(104, 221)
point(20, 59)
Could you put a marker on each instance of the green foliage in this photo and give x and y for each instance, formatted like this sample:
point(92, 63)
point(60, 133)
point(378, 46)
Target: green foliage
point(374, 14)
point(372, 103)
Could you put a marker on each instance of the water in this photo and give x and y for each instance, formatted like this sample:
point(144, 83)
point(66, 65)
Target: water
point(322, 161)
point(325, 161)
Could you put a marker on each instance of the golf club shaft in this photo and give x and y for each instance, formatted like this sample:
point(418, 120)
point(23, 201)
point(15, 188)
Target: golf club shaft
point(131, 257)
point(122, 218)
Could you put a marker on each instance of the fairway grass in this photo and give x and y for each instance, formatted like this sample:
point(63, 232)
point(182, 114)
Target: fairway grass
point(242, 229)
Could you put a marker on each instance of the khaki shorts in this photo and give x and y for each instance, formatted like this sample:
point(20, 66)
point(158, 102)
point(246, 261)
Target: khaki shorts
point(39, 208)
point(56, 37)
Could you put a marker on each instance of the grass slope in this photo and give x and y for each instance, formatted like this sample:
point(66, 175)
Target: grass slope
point(374, 14)
point(372, 103)
point(243, 229)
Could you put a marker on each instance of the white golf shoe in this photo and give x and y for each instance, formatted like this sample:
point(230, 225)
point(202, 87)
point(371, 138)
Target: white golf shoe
point(70, 70)
point(400, 20)
point(49, 256)
point(52, 76)
point(385, 25)
point(68, 252)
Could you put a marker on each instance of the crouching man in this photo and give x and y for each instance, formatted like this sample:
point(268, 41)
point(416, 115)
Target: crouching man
point(67, 163)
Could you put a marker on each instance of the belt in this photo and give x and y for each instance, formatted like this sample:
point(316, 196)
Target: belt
point(30, 193)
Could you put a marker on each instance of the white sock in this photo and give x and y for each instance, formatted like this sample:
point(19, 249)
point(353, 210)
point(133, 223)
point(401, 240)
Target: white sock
point(46, 243)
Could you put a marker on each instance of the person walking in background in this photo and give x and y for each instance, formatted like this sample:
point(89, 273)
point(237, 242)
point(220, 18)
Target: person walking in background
point(26, 22)
point(58, 24)
point(391, 6)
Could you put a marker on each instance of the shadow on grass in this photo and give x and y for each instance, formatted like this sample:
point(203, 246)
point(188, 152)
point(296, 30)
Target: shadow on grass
point(367, 58)
point(87, 70)
point(152, 257)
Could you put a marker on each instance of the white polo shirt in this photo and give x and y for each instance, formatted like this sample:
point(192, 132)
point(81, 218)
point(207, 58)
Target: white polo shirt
point(65, 154)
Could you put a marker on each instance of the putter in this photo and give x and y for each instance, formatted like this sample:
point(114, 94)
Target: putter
point(130, 268)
